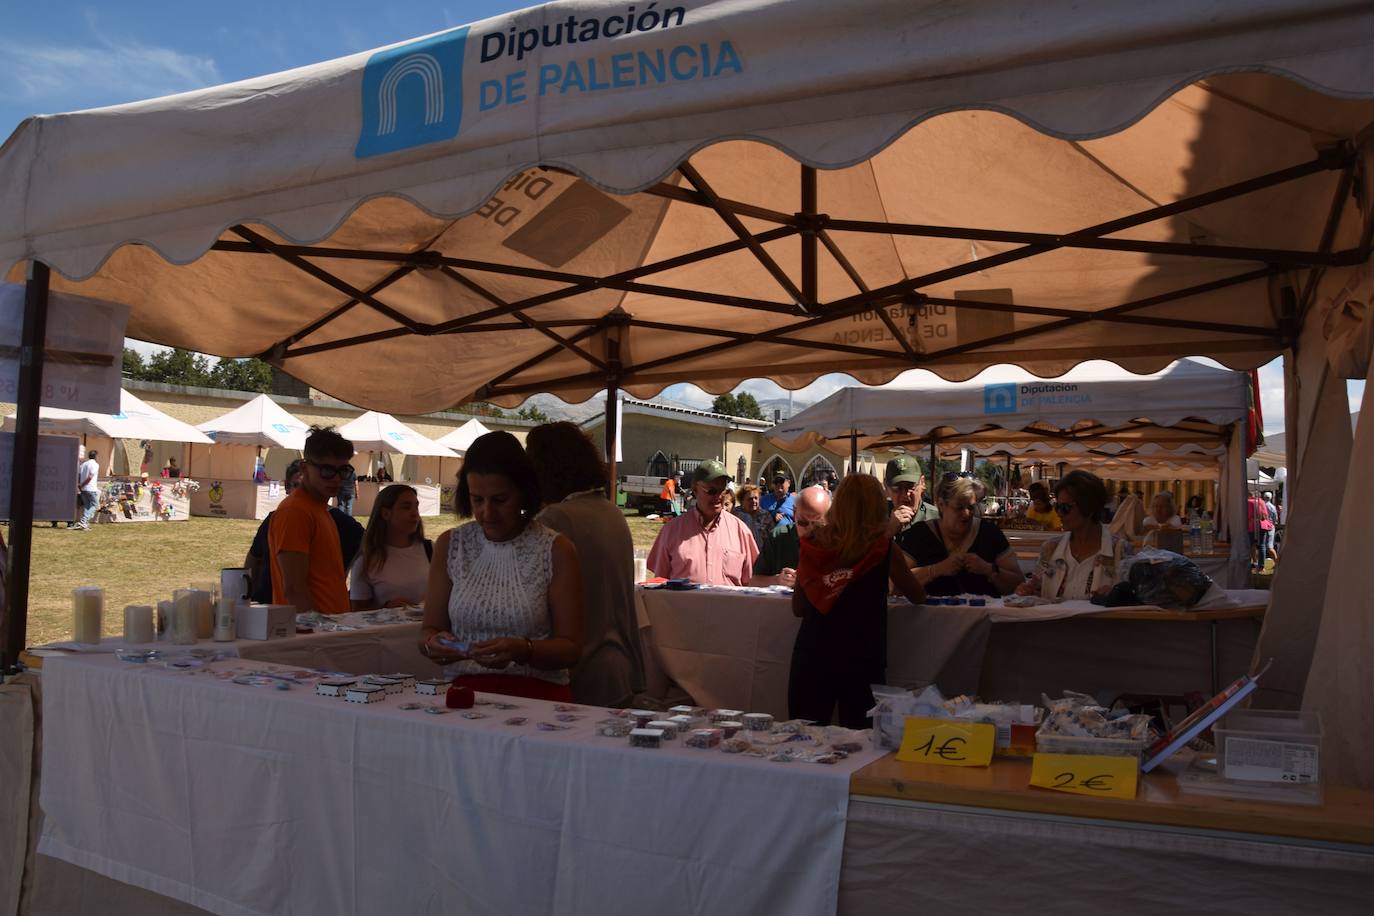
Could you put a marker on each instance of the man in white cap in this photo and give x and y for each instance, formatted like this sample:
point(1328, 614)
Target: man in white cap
point(705, 544)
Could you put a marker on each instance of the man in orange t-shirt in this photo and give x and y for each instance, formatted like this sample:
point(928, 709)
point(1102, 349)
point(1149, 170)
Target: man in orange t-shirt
point(302, 539)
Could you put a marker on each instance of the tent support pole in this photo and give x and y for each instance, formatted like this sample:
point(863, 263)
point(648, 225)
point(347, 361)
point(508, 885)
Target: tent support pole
point(25, 464)
point(853, 451)
point(612, 434)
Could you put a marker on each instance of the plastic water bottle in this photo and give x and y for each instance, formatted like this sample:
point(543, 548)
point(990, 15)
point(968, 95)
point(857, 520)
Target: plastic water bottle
point(1206, 532)
point(1194, 532)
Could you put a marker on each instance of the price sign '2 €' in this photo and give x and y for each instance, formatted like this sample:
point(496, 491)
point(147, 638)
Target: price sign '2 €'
point(1082, 774)
point(947, 742)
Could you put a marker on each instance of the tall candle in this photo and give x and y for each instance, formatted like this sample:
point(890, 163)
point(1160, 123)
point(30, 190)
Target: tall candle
point(88, 609)
point(204, 613)
point(226, 619)
point(164, 619)
point(184, 606)
point(138, 623)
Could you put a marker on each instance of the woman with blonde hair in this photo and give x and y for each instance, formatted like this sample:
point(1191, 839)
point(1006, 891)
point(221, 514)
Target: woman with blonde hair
point(957, 553)
point(392, 568)
point(841, 597)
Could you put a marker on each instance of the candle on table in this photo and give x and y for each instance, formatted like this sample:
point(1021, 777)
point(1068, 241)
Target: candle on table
point(88, 609)
point(184, 604)
point(138, 623)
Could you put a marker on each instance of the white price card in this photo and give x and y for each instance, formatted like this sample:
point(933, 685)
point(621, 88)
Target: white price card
point(83, 356)
point(54, 495)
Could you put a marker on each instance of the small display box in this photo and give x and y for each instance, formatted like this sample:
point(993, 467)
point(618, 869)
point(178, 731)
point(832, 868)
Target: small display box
point(390, 685)
point(669, 729)
point(704, 738)
point(407, 680)
point(1266, 755)
point(695, 712)
point(687, 723)
point(642, 717)
point(646, 737)
point(431, 687)
point(726, 715)
point(758, 721)
point(365, 693)
point(334, 686)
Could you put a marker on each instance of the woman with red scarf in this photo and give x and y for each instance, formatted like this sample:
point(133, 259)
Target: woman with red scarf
point(841, 597)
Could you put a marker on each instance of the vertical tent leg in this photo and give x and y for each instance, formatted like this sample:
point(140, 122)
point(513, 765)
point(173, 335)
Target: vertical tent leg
point(853, 451)
point(22, 485)
point(612, 434)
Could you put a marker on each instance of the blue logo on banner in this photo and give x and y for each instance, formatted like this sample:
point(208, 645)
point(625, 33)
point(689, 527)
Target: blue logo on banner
point(398, 437)
point(281, 427)
point(413, 94)
point(999, 398)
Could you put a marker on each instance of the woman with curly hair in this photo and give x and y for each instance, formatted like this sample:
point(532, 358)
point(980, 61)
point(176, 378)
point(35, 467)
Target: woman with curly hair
point(841, 597)
point(1086, 559)
point(572, 484)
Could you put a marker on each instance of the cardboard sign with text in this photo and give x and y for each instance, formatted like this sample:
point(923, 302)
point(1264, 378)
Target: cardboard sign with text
point(83, 355)
point(947, 742)
point(54, 496)
point(1084, 774)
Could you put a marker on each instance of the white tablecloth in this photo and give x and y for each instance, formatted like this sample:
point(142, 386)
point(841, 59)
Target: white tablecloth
point(246, 800)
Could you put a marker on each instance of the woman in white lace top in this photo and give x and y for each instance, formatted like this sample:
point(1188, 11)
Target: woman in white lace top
point(503, 609)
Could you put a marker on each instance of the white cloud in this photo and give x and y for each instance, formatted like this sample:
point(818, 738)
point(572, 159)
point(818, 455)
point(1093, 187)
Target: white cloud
point(103, 73)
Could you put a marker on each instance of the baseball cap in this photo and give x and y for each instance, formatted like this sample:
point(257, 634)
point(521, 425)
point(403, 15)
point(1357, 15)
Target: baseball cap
point(902, 469)
point(709, 470)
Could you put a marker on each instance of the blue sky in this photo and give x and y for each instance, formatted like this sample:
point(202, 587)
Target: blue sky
point(58, 56)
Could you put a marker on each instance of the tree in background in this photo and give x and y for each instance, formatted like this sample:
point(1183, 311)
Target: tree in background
point(480, 409)
point(743, 404)
point(184, 367)
point(530, 412)
point(242, 375)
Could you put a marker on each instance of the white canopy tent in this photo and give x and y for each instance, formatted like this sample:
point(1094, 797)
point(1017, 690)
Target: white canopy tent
point(461, 439)
point(135, 420)
point(381, 432)
point(1097, 413)
point(740, 188)
point(262, 422)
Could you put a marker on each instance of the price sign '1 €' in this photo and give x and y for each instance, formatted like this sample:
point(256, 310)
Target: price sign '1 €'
point(1104, 777)
point(947, 742)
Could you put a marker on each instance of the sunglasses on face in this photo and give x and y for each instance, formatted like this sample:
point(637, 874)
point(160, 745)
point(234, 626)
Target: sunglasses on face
point(330, 471)
point(714, 491)
point(1063, 508)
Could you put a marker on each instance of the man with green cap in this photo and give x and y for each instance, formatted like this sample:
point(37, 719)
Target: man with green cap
point(706, 544)
point(905, 487)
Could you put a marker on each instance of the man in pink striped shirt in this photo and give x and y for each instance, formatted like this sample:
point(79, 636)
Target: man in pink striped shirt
point(706, 545)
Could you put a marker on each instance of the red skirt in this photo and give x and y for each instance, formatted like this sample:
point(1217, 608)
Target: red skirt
point(513, 685)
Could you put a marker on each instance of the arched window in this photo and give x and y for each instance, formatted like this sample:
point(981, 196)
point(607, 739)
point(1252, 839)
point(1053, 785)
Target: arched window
point(659, 465)
point(819, 468)
point(778, 465)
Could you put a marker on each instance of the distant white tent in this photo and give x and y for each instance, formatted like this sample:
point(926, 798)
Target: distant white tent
point(461, 439)
point(381, 432)
point(261, 422)
point(135, 420)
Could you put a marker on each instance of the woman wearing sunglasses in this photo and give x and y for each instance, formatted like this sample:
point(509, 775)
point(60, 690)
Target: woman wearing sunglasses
point(1086, 559)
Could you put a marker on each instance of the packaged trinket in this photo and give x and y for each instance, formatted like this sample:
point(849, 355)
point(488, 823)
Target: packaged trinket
point(646, 737)
point(516, 720)
point(365, 693)
point(704, 738)
point(693, 711)
point(407, 680)
point(473, 714)
point(758, 721)
point(725, 715)
point(566, 707)
point(431, 687)
point(669, 729)
point(686, 723)
point(552, 727)
point(566, 717)
point(614, 728)
point(334, 686)
point(729, 727)
point(736, 745)
point(642, 717)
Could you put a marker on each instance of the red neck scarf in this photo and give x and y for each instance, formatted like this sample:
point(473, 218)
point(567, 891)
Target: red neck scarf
point(822, 576)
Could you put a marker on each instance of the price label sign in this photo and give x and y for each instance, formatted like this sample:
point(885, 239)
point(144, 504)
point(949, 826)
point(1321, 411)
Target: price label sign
point(1104, 777)
point(947, 742)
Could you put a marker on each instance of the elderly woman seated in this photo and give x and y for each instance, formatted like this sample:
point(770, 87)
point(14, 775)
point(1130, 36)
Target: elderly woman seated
point(1163, 514)
point(1087, 559)
point(957, 553)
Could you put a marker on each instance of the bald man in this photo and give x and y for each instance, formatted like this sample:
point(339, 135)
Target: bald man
point(777, 563)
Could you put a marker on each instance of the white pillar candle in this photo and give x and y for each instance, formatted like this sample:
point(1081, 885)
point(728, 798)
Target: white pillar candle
point(88, 609)
point(641, 569)
point(226, 620)
point(138, 623)
point(184, 616)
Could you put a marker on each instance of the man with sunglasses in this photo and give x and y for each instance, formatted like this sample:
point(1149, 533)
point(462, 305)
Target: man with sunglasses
point(260, 571)
point(302, 540)
point(705, 544)
point(777, 563)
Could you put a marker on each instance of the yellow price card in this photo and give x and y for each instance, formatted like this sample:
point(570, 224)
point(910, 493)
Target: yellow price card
point(1104, 777)
point(947, 742)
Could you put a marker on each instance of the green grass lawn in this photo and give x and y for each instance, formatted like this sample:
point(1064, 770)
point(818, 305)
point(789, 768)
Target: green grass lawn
point(142, 563)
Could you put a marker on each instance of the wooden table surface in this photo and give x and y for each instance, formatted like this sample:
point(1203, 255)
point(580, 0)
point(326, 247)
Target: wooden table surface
point(1347, 815)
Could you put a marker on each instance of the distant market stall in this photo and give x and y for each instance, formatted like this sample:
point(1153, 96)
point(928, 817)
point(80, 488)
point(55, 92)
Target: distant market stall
point(237, 485)
point(374, 436)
